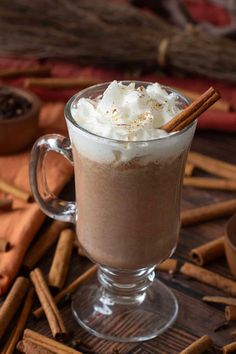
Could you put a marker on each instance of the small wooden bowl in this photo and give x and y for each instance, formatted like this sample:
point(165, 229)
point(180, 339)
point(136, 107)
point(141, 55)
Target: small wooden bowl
point(230, 244)
point(18, 133)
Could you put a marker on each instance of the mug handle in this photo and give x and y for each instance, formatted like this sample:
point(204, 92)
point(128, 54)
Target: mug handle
point(52, 206)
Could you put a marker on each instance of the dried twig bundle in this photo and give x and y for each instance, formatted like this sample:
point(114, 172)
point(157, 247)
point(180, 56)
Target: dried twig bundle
point(103, 32)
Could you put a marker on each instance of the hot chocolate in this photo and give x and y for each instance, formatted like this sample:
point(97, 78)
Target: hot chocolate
point(129, 190)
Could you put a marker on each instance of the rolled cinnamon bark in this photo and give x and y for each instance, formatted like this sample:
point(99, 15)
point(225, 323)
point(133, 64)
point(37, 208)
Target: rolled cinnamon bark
point(4, 245)
point(60, 264)
point(208, 251)
point(193, 111)
point(15, 191)
point(51, 311)
point(43, 70)
point(12, 302)
point(208, 212)
point(231, 301)
point(229, 348)
point(47, 343)
point(42, 245)
point(220, 105)
point(10, 345)
point(214, 166)
point(69, 289)
point(230, 313)
point(211, 183)
point(189, 168)
point(28, 347)
point(60, 83)
point(199, 346)
point(169, 265)
point(6, 204)
point(210, 278)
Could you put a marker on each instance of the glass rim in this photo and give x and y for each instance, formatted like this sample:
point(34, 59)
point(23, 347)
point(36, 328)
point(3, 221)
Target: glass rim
point(68, 115)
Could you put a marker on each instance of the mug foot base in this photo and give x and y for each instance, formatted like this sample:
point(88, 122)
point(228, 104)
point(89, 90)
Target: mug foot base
point(122, 321)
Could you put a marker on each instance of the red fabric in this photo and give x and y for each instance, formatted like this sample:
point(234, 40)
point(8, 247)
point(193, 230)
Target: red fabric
point(202, 10)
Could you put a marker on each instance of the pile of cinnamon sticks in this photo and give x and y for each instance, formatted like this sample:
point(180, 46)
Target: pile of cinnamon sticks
point(21, 295)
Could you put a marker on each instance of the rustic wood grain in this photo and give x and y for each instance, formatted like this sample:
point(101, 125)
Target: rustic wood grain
point(196, 318)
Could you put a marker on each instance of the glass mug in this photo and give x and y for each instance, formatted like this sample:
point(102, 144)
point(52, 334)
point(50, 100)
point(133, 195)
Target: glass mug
point(127, 217)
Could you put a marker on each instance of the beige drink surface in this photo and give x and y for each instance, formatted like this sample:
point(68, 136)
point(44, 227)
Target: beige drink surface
point(128, 214)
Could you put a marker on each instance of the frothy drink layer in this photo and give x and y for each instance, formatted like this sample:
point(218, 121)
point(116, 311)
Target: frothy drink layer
point(128, 189)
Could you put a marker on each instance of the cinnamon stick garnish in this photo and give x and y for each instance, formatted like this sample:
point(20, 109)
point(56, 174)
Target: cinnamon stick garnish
point(69, 289)
point(169, 265)
point(28, 347)
point(4, 245)
point(6, 204)
point(60, 264)
point(199, 346)
point(230, 313)
point(208, 251)
point(210, 183)
point(15, 191)
point(12, 302)
point(42, 245)
point(47, 343)
point(210, 278)
point(229, 348)
point(60, 83)
point(51, 311)
point(20, 326)
point(208, 212)
point(214, 166)
point(221, 105)
point(193, 111)
point(189, 168)
point(220, 300)
point(42, 70)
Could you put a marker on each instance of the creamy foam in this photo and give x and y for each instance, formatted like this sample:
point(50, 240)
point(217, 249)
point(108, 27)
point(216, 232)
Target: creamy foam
point(153, 145)
point(126, 112)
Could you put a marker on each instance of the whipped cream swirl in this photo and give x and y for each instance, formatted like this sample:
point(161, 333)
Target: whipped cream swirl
point(128, 113)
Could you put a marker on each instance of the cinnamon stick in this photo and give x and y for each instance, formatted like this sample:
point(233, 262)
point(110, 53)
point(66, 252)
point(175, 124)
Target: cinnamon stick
point(229, 348)
point(60, 264)
point(169, 265)
point(208, 251)
point(199, 346)
point(221, 105)
point(20, 326)
point(28, 347)
point(233, 334)
point(6, 204)
point(193, 111)
point(210, 278)
point(189, 168)
point(208, 212)
point(4, 245)
point(220, 300)
point(12, 302)
point(52, 313)
point(42, 70)
point(47, 343)
point(15, 191)
point(230, 313)
point(210, 183)
point(42, 245)
point(60, 83)
point(214, 166)
point(69, 289)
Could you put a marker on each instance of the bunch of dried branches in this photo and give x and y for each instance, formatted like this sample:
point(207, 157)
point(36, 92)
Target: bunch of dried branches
point(104, 32)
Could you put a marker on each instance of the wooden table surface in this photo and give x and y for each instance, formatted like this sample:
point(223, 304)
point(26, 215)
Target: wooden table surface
point(195, 318)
